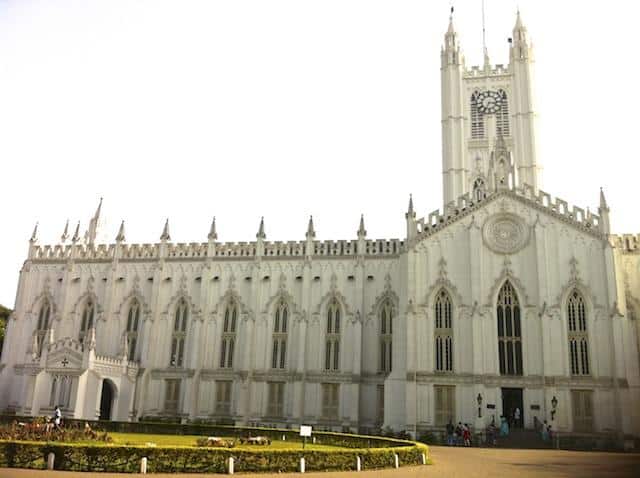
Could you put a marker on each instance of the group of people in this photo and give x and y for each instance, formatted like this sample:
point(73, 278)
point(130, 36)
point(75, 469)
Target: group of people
point(459, 435)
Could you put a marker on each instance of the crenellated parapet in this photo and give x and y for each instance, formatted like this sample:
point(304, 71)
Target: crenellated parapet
point(481, 72)
point(626, 243)
point(466, 204)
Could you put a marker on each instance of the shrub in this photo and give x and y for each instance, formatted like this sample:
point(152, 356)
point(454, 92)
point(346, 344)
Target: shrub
point(110, 458)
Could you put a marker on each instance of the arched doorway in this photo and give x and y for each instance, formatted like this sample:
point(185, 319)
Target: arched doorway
point(106, 399)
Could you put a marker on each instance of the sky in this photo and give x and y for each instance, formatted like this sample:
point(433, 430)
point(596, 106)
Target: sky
point(240, 109)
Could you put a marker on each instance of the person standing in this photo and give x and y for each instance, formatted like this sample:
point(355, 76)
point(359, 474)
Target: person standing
point(516, 418)
point(450, 431)
point(57, 417)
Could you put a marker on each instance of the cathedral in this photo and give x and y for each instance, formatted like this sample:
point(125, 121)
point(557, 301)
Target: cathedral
point(507, 298)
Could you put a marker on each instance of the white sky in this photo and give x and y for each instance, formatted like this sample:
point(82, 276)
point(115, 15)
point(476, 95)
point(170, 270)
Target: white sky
point(238, 109)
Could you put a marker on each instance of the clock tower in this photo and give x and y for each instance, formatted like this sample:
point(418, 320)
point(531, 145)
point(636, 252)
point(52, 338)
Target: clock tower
point(483, 107)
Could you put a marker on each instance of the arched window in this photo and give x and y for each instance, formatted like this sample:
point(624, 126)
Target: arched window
point(88, 314)
point(229, 335)
point(133, 320)
point(179, 335)
point(386, 336)
point(509, 332)
point(578, 336)
point(280, 323)
point(43, 324)
point(443, 332)
point(502, 116)
point(332, 343)
point(477, 120)
point(479, 190)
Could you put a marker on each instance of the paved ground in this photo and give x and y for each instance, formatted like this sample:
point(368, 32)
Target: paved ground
point(452, 462)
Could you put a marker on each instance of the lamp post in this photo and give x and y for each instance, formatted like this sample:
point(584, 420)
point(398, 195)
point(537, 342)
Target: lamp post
point(479, 400)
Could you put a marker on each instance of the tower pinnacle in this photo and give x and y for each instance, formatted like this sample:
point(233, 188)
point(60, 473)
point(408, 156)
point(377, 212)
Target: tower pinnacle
point(213, 235)
point(120, 236)
point(311, 233)
point(65, 233)
point(261, 235)
point(165, 232)
point(362, 232)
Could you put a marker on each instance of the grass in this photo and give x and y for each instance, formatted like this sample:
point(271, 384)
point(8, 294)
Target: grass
point(190, 440)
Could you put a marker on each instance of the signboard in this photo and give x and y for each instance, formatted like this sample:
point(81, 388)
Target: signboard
point(491, 406)
point(535, 407)
point(305, 430)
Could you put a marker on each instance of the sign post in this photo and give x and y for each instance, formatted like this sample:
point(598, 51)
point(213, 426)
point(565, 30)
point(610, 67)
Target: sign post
point(305, 431)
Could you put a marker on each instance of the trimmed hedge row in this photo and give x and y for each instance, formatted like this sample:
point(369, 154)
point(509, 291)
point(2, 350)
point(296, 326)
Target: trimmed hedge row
point(115, 458)
point(344, 440)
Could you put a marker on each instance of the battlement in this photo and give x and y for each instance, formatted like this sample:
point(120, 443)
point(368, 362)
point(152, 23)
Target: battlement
point(480, 72)
point(201, 250)
point(465, 204)
point(627, 243)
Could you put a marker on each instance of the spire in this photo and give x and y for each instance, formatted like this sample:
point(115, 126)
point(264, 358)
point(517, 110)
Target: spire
point(410, 211)
point(362, 232)
point(165, 232)
point(261, 235)
point(65, 233)
point(93, 225)
point(213, 235)
point(520, 47)
point(451, 37)
point(603, 201)
point(76, 234)
point(485, 52)
point(34, 234)
point(120, 236)
point(311, 233)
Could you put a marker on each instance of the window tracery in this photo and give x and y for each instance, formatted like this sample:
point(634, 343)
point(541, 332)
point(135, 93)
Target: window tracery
point(578, 334)
point(229, 334)
point(179, 334)
point(443, 313)
point(509, 331)
point(332, 343)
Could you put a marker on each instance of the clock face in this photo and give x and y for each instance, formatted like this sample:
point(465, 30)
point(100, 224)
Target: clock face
point(488, 102)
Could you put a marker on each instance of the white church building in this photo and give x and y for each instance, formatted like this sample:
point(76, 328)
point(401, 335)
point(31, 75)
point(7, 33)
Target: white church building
point(505, 298)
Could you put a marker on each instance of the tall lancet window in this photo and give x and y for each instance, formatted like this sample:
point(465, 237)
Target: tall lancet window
point(477, 120)
point(280, 324)
point(133, 321)
point(179, 335)
point(229, 335)
point(86, 324)
point(332, 341)
point(386, 336)
point(43, 324)
point(509, 332)
point(578, 337)
point(443, 332)
point(502, 116)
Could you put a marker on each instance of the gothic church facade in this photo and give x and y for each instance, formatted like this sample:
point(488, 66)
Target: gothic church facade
point(506, 298)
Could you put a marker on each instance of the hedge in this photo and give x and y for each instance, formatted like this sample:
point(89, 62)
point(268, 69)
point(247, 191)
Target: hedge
point(116, 458)
point(343, 440)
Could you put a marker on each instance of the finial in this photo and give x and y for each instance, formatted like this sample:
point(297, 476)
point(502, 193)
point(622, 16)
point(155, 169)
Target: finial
point(99, 208)
point(76, 234)
point(311, 233)
point(451, 29)
point(120, 236)
point(410, 211)
point(165, 232)
point(213, 235)
point(65, 233)
point(361, 230)
point(34, 234)
point(261, 234)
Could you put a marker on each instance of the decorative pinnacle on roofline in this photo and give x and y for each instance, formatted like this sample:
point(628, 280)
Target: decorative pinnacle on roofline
point(65, 233)
point(261, 235)
point(213, 235)
point(120, 236)
point(362, 232)
point(76, 234)
point(165, 232)
point(311, 233)
point(34, 234)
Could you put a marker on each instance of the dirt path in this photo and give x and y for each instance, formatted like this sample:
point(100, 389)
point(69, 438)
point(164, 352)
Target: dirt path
point(450, 463)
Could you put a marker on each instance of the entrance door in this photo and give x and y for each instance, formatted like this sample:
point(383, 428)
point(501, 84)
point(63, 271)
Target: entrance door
point(106, 400)
point(512, 401)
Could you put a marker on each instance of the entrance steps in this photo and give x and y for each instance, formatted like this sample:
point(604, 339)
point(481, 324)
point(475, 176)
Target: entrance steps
point(521, 438)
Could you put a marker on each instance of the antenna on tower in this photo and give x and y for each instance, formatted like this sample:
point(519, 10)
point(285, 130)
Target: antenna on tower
point(484, 39)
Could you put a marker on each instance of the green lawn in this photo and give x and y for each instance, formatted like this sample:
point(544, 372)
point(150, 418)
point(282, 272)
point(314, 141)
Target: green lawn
point(190, 440)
